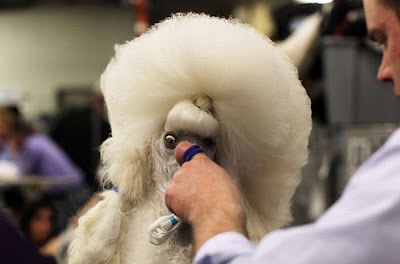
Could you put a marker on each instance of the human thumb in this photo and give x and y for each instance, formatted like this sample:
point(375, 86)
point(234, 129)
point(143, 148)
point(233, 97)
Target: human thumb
point(182, 148)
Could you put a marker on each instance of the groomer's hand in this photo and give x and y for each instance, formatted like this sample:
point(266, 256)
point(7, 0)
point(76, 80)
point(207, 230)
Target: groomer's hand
point(205, 195)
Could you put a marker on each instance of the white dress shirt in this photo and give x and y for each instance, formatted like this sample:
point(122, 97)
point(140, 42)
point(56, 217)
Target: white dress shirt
point(362, 227)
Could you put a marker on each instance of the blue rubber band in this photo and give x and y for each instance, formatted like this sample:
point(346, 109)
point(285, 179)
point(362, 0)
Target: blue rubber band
point(115, 188)
point(173, 220)
point(190, 152)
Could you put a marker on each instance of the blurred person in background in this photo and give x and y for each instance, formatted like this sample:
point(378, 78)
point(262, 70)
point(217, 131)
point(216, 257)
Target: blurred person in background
point(32, 153)
point(15, 248)
point(38, 224)
point(35, 154)
point(11, 99)
point(7, 121)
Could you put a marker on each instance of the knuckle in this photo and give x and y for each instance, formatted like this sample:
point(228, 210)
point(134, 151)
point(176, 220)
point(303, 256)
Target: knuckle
point(178, 176)
point(185, 166)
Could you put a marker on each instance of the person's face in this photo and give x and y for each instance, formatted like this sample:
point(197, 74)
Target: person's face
point(4, 133)
point(384, 28)
point(41, 226)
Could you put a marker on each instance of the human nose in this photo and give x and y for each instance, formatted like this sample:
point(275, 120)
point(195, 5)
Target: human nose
point(385, 71)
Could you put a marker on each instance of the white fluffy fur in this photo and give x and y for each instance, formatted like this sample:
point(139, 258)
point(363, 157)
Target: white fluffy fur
point(261, 116)
point(186, 115)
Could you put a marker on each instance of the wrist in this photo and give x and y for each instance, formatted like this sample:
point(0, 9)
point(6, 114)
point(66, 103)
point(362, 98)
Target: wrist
point(220, 221)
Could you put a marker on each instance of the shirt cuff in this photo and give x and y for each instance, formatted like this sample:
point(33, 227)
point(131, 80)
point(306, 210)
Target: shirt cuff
point(223, 248)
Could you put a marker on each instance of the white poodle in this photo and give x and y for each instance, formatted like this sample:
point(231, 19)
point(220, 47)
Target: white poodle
point(214, 82)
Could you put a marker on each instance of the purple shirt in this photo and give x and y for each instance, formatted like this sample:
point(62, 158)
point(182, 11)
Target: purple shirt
point(40, 156)
point(362, 227)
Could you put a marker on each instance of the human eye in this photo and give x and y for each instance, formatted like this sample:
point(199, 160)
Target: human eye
point(379, 39)
point(382, 43)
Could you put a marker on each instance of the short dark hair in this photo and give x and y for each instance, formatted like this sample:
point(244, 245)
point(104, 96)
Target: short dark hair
point(394, 4)
point(32, 209)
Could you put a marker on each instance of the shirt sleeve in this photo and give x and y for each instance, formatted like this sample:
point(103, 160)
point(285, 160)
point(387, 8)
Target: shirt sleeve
point(363, 226)
point(224, 248)
point(49, 161)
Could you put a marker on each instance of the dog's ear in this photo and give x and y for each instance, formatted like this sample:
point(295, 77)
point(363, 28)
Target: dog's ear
point(99, 235)
point(127, 168)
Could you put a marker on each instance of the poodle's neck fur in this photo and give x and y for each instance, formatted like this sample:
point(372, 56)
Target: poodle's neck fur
point(178, 247)
point(137, 247)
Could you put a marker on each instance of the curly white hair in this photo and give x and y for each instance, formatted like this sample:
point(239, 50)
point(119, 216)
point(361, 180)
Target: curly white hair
point(215, 82)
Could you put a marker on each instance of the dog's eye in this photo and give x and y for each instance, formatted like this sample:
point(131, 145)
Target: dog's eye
point(170, 141)
point(209, 142)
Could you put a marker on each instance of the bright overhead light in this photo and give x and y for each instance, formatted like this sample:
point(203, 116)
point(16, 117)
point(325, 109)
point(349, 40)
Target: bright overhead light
point(314, 1)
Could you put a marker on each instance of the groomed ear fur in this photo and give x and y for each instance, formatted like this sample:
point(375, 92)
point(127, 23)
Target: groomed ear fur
point(126, 167)
point(188, 116)
point(98, 237)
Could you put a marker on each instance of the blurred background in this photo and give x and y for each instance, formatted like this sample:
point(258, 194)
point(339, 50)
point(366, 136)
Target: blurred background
point(52, 114)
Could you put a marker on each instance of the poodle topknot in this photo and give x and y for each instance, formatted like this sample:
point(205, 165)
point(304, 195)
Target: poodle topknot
point(217, 83)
